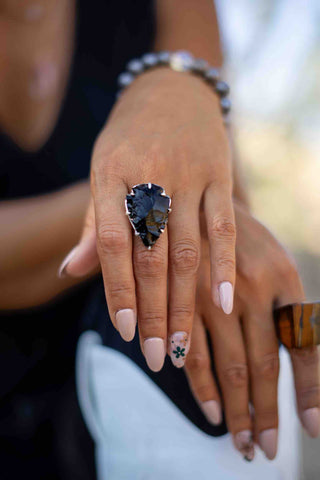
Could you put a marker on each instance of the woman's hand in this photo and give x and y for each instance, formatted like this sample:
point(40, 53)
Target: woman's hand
point(245, 345)
point(166, 129)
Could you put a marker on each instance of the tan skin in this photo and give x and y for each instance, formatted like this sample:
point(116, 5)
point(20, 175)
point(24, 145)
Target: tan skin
point(244, 343)
point(194, 136)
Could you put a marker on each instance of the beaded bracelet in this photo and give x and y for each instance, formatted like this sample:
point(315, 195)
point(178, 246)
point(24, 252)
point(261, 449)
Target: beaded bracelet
point(180, 62)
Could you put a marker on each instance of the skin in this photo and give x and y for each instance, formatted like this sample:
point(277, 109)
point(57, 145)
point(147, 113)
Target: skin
point(29, 115)
point(138, 147)
point(245, 344)
point(37, 235)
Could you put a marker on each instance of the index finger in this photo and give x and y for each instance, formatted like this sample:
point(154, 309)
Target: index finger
point(114, 242)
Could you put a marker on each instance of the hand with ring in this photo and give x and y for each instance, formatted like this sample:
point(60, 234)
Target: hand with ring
point(165, 130)
point(245, 345)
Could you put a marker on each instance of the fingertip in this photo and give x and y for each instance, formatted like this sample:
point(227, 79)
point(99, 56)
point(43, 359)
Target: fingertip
point(310, 420)
point(212, 411)
point(268, 440)
point(225, 295)
point(81, 260)
point(62, 271)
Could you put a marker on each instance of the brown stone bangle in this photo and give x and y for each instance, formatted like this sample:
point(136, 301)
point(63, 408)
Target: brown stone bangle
point(298, 325)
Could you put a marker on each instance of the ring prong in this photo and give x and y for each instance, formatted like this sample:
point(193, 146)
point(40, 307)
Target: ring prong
point(149, 248)
point(149, 185)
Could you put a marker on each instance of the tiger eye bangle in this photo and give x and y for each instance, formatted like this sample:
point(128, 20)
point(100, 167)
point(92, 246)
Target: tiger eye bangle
point(298, 324)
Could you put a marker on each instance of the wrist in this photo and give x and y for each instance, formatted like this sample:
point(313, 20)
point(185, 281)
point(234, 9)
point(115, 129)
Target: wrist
point(183, 63)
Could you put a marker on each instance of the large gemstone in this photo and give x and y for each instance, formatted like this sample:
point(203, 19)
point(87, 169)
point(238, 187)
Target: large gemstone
point(148, 207)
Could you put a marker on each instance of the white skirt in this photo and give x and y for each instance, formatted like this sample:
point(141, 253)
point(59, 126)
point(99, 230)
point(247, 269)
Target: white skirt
point(140, 434)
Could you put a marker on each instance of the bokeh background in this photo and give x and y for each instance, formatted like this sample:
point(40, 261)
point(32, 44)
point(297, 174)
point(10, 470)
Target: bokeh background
point(273, 64)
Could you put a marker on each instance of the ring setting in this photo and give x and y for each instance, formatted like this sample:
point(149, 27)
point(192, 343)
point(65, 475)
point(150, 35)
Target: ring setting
point(148, 207)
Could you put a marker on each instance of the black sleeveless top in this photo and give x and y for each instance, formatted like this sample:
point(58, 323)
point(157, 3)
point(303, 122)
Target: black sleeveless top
point(38, 411)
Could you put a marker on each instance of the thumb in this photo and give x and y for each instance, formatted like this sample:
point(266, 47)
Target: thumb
point(83, 258)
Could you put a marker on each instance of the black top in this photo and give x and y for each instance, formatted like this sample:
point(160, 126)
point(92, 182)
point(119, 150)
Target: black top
point(38, 412)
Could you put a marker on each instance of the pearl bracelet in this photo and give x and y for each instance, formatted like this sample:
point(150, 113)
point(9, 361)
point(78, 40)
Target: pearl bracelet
point(180, 62)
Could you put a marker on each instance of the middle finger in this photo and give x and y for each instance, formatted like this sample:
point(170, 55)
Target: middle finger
point(150, 271)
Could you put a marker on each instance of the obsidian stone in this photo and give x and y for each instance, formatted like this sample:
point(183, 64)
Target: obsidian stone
point(148, 210)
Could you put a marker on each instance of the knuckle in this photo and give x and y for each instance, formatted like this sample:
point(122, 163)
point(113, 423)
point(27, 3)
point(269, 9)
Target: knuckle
point(267, 417)
point(113, 239)
point(307, 357)
point(197, 361)
point(120, 290)
point(151, 322)
point(204, 392)
point(267, 368)
point(254, 275)
point(309, 396)
point(226, 262)
point(182, 311)
point(150, 263)
point(236, 376)
point(289, 268)
point(222, 228)
point(238, 420)
point(185, 257)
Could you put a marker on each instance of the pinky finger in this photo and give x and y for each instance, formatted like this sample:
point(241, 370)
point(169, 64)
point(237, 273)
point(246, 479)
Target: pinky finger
point(200, 376)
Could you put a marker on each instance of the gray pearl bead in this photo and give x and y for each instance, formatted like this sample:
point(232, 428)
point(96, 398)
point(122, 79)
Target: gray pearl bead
point(212, 75)
point(222, 89)
point(135, 66)
point(225, 105)
point(181, 61)
point(164, 57)
point(150, 60)
point(200, 65)
point(125, 79)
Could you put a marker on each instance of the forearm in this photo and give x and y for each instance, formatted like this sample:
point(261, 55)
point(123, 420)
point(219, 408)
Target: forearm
point(189, 25)
point(36, 234)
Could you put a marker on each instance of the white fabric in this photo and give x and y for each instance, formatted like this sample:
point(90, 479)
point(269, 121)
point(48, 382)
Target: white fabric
point(140, 434)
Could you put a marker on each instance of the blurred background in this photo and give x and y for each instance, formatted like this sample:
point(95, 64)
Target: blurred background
point(273, 64)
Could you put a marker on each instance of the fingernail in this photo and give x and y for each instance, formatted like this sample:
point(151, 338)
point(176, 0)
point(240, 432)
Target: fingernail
point(226, 297)
point(212, 411)
point(63, 267)
point(179, 345)
point(126, 323)
point(154, 351)
point(310, 419)
point(243, 442)
point(268, 440)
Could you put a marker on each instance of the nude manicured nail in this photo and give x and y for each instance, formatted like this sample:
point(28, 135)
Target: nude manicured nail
point(226, 297)
point(212, 411)
point(310, 419)
point(63, 267)
point(268, 441)
point(126, 323)
point(179, 345)
point(154, 352)
point(243, 442)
